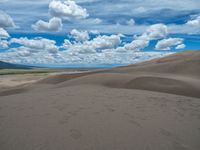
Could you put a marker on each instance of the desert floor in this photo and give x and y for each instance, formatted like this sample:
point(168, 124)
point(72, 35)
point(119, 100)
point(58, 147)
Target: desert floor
point(149, 106)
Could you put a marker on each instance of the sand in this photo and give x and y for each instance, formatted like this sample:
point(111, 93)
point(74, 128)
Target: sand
point(153, 105)
point(7, 81)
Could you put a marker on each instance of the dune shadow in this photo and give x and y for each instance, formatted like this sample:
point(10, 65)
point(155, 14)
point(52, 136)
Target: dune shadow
point(165, 85)
point(13, 91)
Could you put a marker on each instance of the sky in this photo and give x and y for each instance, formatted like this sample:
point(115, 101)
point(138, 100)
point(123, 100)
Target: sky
point(96, 32)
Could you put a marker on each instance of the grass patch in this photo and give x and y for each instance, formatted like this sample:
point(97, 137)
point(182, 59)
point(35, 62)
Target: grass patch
point(26, 71)
point(35, 72)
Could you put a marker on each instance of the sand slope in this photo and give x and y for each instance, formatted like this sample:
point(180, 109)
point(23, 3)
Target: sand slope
point(175, 74)
point(184, 63)
point(153, 105)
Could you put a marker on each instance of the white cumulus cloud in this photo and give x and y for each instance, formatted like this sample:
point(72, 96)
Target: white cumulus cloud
point(96, 21)
point(36, 45)
point(6, 20)
point(3, 44)
point(91, 46)
point(67, 44)
point(154, 32)
point(181, 46)
point(4, 33)
point(94, 32)
point(67, 10)
point(101, 49)
point(131, 22)
point(54, 25)
point(166, 44)
point(80, 35)
point(194, 22)
point(104, 42)
point(136, 45)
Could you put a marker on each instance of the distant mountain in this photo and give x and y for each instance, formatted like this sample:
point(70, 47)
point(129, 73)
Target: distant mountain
point(5, 65)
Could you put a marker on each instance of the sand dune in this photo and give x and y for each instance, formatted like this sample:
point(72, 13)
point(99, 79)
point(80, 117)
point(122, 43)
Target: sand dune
point(184, 64)
point(175, 74)
point(153, 105)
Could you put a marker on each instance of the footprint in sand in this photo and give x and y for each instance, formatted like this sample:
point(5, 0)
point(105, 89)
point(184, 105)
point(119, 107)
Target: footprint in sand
point(176, 142)
point(75, 134)
point(109, 108)
point(64, 120)
point(61, 107)
point(133, 120)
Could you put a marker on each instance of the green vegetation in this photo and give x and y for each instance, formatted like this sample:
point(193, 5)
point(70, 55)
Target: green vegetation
point(29, 71)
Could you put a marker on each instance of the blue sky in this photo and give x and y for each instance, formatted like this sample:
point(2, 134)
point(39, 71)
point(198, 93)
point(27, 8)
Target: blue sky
point(71, 32)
